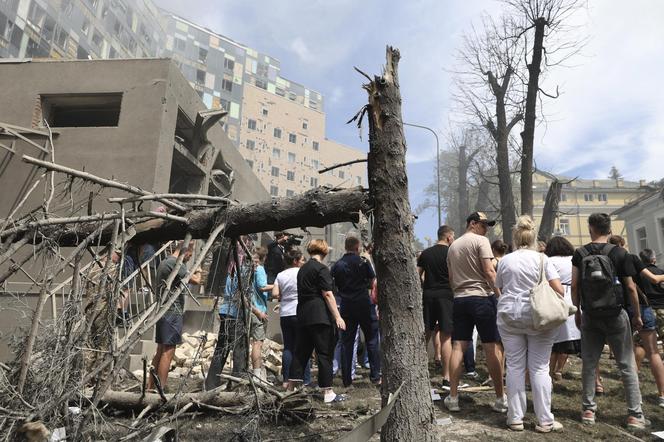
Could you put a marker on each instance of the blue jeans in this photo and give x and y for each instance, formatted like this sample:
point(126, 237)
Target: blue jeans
point(289, 331)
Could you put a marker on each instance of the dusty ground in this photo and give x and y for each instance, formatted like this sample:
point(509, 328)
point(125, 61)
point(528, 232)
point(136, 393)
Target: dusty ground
point(475, 422)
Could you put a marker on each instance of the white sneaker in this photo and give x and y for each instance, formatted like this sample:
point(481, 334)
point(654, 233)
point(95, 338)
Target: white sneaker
point(552, 427)
point(500, 406)
point(452, 403)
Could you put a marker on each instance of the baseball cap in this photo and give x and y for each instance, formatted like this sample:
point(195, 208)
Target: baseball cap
point(480, 217)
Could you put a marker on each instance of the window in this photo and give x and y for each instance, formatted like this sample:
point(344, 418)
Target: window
point(200, 76)
point(229, 64)
point(315, 145)
point(279, 91)
point(290, 175)
point(601, 197)
point(290, 193)
point(291, 157)
point(314, 164)
point(225, 104)
point(250, 164)
point(358, 180)
point(313, 182)
point(251, 144)
point(305, 125)
point(227, 85)
point(251, 124)
point(180, 44)
point(261, 83)
point(564, 227)
point(275, 171)
point(277, 132)
point(588, 197)
point(276, 153)
point(274, 191)
point(81, 110)
point(97, 39)
point(202, 55)
point(85, 28)
point(264, 112)
point(342, 175)
point(563, 196)
point(641, 238)
point(292, 138)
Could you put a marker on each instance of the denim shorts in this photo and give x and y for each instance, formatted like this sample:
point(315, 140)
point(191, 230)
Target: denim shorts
point(475, 311)
point(647, 316)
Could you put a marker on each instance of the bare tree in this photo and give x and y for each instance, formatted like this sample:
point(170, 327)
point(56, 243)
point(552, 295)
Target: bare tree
point(486, 88)
point(541, 19)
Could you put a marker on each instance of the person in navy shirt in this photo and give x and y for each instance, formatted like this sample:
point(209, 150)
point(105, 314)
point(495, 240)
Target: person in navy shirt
point(354, 276)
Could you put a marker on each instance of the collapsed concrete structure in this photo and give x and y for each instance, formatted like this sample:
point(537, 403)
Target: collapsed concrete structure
point(136, 121)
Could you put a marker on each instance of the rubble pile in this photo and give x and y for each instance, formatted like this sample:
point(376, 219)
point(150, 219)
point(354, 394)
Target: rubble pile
point(193, 357)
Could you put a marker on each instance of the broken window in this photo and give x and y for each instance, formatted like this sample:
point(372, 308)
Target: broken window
point(82, 110)
point(200, 76)
point(202, 55)
point(265, 112)
point(229, 64)
point(227, 85)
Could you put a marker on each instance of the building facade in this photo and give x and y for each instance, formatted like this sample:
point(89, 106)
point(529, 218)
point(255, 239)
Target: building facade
point(644, 223)
point(277, 124)
point(581, 197)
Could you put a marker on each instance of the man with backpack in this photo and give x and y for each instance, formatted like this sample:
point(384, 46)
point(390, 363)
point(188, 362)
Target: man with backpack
point(600, 271)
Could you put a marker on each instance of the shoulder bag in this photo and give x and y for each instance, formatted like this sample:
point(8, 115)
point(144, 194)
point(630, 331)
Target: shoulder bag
point(549, 310)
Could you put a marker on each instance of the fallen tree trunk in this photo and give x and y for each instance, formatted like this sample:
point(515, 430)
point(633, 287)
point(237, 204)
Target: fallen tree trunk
point(314, 208)
point(122, 400)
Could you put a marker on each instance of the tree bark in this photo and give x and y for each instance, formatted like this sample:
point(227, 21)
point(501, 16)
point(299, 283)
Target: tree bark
point(399, 296)
point(550, 211)
point(314, 208)
point(462, 172)
point(530, 117)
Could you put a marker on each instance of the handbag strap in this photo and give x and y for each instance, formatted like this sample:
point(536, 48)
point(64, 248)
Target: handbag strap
point(541, 269)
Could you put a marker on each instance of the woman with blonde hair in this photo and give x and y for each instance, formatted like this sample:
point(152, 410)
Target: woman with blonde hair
point(318, 318)
point(526, 349)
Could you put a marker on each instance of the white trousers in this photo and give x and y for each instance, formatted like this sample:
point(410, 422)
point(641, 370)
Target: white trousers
point(527, 349)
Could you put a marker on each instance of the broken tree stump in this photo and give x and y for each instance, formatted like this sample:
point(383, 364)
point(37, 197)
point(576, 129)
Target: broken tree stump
point(399, 294)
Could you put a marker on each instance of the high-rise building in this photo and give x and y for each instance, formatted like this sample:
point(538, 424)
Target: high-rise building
point(80, 29)
point(277, 124)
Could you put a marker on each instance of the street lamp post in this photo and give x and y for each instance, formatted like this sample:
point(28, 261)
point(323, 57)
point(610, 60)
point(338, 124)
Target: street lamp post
point(437, 164)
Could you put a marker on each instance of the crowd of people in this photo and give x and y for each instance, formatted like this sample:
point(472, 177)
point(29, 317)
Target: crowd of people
point(471, 289)
point(470, 284)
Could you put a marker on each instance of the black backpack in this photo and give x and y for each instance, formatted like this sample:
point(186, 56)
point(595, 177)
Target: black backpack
point(601, 291)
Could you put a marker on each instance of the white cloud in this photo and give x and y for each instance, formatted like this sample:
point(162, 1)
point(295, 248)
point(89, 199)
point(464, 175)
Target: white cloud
point(299, 47)
point(336, 96)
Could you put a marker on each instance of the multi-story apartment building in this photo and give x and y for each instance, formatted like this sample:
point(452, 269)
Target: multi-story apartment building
point(581, 197)
point(277, 124)
point(80, 29)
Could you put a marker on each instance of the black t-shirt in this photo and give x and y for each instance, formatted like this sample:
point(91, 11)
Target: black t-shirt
point(622, 263)
point(313, 279)
point(653, 292)
point(352, 275)
point(436, 275)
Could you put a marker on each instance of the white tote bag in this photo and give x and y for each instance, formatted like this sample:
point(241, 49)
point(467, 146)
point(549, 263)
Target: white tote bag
point(548, 309)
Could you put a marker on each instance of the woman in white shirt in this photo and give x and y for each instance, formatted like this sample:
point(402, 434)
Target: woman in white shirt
point(526, 349)
point(568, 338)
point(285, 290)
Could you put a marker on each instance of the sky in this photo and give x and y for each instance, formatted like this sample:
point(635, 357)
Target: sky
point(610, 110)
